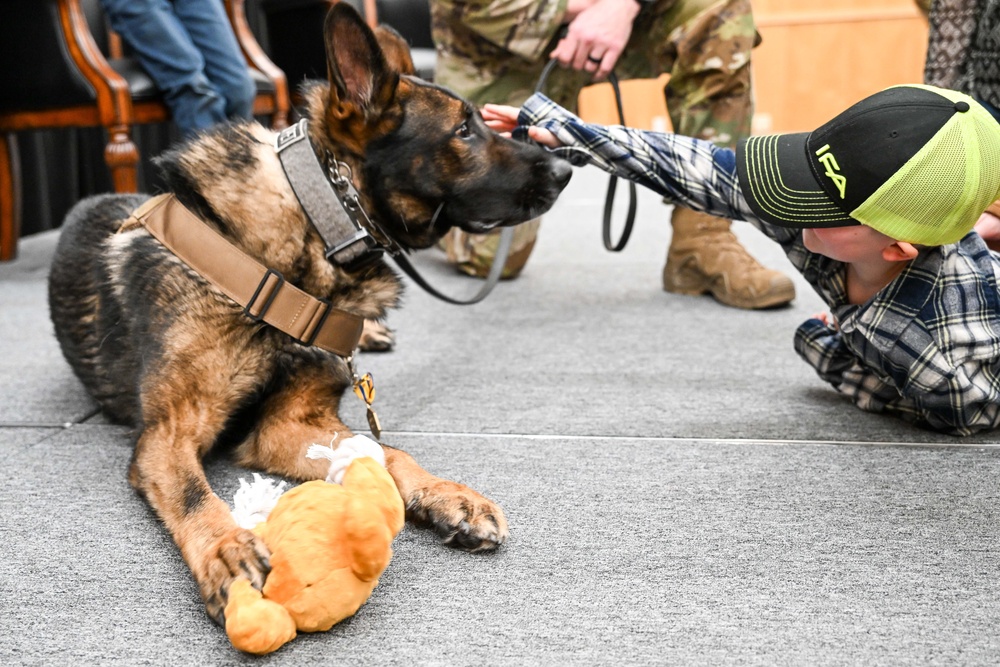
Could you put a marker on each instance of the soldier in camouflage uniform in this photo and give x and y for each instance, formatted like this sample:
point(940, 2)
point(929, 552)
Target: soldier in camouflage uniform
point(494, 51)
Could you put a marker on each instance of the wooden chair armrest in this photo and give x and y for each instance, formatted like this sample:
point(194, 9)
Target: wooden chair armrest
point(253, 52)
point(116, 48)
point(114, 101)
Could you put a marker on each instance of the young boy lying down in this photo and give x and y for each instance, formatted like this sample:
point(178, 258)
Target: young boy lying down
point(876, 209)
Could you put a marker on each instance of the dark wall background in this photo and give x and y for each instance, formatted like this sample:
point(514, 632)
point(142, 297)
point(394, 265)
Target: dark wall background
point(60, 167)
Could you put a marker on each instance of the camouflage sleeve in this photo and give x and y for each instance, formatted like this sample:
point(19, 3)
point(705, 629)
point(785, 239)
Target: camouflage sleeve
point(523, 27)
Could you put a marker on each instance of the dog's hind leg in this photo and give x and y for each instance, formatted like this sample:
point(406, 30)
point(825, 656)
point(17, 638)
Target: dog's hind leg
point(304, 412)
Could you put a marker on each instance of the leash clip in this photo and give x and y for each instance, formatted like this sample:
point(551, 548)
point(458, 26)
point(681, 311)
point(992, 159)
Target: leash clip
point(341, 175)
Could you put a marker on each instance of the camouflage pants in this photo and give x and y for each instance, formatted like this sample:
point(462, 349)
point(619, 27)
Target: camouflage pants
point(703, 44)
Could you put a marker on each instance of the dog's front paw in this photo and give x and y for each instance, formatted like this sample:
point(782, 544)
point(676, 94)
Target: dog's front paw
point(463, 518)
point(376, 337)
point(239, 553)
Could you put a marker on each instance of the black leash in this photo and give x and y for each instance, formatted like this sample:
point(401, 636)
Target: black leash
point(492, 278)
point(609, 200)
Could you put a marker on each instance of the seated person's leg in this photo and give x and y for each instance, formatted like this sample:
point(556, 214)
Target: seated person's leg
point(170, 57)
point(207, 24)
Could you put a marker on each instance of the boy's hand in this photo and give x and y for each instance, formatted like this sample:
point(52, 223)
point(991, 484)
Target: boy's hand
point(988, 226)
point(826, 319)
point(500, 117)
point(503, 119)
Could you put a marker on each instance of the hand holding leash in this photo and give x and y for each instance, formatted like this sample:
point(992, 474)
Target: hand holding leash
point(596, 36)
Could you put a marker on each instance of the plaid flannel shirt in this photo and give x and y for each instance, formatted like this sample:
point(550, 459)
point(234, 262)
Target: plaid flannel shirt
point(925, 348)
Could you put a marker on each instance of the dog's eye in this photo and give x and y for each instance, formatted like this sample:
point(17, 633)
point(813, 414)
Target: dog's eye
point(464, 131)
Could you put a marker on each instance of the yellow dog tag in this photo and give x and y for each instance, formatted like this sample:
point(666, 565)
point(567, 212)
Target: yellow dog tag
point(364, 387)
point(374, 424)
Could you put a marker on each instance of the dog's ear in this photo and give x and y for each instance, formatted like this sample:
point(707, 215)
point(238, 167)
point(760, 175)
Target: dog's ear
point(395, 48)
point(360, 77)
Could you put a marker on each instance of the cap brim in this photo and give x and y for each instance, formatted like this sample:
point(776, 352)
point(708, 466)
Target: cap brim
point(779, 184)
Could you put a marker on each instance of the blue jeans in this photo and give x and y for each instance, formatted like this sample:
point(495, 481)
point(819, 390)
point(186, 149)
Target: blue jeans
point(189, 49)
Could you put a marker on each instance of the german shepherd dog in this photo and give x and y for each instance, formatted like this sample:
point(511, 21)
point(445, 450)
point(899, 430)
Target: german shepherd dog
point(162, 349)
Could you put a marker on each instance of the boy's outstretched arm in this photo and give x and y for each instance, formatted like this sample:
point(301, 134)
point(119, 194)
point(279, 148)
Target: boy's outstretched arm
point(691, 172)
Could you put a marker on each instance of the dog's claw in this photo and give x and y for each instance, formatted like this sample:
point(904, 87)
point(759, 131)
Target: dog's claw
point(240, 554)
point(469, 539)
point(462, 518)
point(464, 538)
point(257, 576)
point(215, 607)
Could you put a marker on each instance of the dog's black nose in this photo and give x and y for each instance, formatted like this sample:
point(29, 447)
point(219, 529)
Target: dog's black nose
point(561, 172)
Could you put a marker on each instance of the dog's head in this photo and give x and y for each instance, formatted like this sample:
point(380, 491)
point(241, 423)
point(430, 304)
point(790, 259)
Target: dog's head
point(424, 158)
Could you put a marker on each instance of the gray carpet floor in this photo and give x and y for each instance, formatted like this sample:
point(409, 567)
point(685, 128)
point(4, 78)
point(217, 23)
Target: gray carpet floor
point(681, 488)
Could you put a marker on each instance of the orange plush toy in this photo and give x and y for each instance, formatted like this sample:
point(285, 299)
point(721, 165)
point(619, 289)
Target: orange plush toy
point(329, 542)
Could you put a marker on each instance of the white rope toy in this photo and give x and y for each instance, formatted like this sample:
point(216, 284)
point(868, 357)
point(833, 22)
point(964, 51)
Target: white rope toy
point(352, 448)
point(253, 502)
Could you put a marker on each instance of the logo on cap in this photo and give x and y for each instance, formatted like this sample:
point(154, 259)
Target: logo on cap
point(832, 169)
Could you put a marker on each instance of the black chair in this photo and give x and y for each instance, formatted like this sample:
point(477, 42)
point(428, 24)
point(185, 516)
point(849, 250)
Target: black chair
point(63, 67)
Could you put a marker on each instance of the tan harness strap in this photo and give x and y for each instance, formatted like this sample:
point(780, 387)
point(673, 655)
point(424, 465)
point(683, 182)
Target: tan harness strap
point(263, 292)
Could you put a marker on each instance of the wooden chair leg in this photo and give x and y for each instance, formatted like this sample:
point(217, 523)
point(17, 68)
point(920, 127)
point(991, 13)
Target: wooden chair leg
point(122, 158)
point(279, 120)
point(10, 197)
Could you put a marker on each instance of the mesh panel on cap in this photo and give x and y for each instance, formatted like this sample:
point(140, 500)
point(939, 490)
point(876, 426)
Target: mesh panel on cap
point(938, 195)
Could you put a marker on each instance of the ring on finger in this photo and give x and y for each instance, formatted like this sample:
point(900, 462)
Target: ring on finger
point(592, 59)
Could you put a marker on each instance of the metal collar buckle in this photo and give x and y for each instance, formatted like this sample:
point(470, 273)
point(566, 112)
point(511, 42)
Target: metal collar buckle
point(248, 309)
point(290, 135)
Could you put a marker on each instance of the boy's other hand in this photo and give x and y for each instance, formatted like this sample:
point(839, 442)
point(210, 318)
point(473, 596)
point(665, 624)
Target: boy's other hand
point(827, 319)
point(988, 226)
point(503, 119)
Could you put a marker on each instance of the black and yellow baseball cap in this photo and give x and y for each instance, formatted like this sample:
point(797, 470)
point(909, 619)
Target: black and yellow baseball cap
point(917, 163)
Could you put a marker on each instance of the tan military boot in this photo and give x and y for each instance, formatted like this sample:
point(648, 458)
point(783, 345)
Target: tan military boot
point(473, 254)
point(705, 257)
